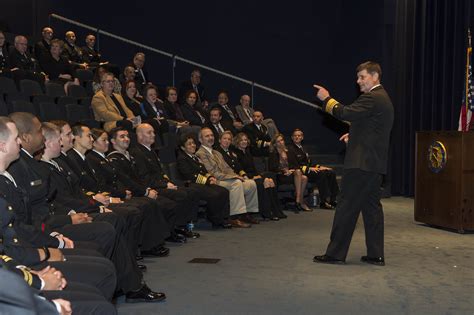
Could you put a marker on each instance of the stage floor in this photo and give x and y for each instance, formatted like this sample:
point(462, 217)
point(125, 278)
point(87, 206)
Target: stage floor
point(268, 269)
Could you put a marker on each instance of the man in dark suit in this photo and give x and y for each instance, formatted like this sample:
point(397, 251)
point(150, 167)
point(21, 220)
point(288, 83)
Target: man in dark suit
point(324, 177)
point(228, 113)
point(141, 74)
point(194, 84)
point(149, 168)
point(217, 125)
point(371, 118)
point(43, 47)
point(258, 135)
point(22, 64)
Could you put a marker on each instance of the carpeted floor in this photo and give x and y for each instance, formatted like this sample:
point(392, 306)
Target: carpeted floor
point(268, 269)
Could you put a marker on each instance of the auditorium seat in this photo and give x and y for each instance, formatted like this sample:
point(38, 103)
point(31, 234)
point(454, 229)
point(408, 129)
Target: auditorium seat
point(76, 113)
point(55, 90)
point(76, 91)
point(30, 88)
point(23, 106)
point(51, 111)
point(3, 107)
point(64, 100)
point(7, 86)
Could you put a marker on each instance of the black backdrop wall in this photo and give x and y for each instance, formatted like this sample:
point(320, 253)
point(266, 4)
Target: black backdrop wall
point(290, 46)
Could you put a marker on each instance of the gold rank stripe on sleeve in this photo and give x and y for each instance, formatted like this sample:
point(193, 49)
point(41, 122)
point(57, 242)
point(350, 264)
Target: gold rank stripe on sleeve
point(259, 143)
point(304, 169)
point(330, 105)
point(27, 276)
point(6, 258)
point(201, 179)
point(166, 177)
point(242, 173)
point(90, 193)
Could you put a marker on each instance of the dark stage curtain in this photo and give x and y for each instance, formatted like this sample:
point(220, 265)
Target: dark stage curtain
point(429, 58)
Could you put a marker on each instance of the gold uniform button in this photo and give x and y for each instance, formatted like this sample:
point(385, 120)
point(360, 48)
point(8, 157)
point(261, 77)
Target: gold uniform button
point(15, 240)
point(10, 225)
point(10, 208)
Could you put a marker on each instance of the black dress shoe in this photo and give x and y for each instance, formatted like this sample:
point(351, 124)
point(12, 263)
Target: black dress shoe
point(378, 261)
point(298, 208)
point(325, 259)
point(275, 219)
point(188, 234)
point(158, 251)
point(141, 267)
point(145, 294)
point(325, 205)
point(176, 238)
point(225, 225)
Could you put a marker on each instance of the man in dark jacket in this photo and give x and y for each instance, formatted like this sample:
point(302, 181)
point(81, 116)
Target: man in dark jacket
point(371, 118)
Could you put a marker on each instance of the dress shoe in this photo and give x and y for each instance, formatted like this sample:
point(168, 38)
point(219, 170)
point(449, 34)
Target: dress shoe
point(378, 261)
point(187, 233)
point(141, 267)
point(225, 225)
point(239, 224)
point(282, 216)
point(325, 259)
point(275, 219)
point(144, 294)
point(249, 219)
point(298, 208)
point(138, 257)
point(157, 251)
point(325, 205)
point(176, 238)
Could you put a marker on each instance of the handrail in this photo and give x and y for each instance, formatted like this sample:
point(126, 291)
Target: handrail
point(175, 57)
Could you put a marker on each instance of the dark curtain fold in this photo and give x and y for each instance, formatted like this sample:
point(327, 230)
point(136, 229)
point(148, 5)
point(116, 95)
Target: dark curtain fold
point(429, 58)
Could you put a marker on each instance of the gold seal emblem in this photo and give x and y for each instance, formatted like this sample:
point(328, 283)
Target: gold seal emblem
point(437, 156)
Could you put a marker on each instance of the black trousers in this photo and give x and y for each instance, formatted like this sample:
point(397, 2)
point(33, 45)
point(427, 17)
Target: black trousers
point(133, 218)
point(112, 240)
point(327, 184)
point(97, 272)
point(268, 204)
point(187, 203)
point(360, 192)
point(217, 199)
point(84, 299)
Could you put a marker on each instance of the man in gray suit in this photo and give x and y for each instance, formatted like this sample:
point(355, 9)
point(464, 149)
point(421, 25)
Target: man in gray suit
point(243, 192)
point(245, 113)
point(371, 118)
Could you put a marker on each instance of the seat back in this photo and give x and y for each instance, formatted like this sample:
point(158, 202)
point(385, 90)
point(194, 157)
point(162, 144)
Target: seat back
point(30, 87)
point(76, 91)
point(23, 106)
point(51, 111)
point(54, 89)
point(7, 86)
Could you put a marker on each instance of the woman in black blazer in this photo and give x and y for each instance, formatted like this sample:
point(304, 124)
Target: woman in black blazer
point(199, 180)
point(285, 164)
point(265, 180)
point(191, 112)
point(153, 112)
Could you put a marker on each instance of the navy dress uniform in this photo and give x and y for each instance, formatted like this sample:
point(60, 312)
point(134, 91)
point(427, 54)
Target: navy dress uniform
point(197, 179)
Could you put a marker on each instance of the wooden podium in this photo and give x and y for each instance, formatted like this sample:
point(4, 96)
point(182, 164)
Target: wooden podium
point(444, 179)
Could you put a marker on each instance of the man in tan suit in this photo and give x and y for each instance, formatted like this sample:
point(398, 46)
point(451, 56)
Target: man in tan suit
point(243, 192)
point(110, 107)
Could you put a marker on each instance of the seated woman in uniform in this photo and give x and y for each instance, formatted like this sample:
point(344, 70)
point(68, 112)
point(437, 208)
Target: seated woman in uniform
point(198, 179)
point(267, 190)
point(57, 68)
point(285, 165)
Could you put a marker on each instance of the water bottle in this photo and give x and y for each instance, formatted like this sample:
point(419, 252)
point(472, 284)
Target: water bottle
point(190, 226)
point(314, 200)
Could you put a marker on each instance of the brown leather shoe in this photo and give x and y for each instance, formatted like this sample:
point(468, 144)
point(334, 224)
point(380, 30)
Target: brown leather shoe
point(249, 219)
point(239, 224)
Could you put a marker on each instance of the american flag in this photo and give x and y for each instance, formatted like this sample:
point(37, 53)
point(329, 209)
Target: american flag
point(465, 117)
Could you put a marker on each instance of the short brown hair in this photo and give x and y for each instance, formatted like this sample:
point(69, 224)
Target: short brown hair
point(371, 67)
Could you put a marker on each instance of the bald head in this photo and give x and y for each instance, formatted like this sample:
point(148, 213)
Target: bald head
point(71, 37)
point(145, 134)
point(47, 33)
